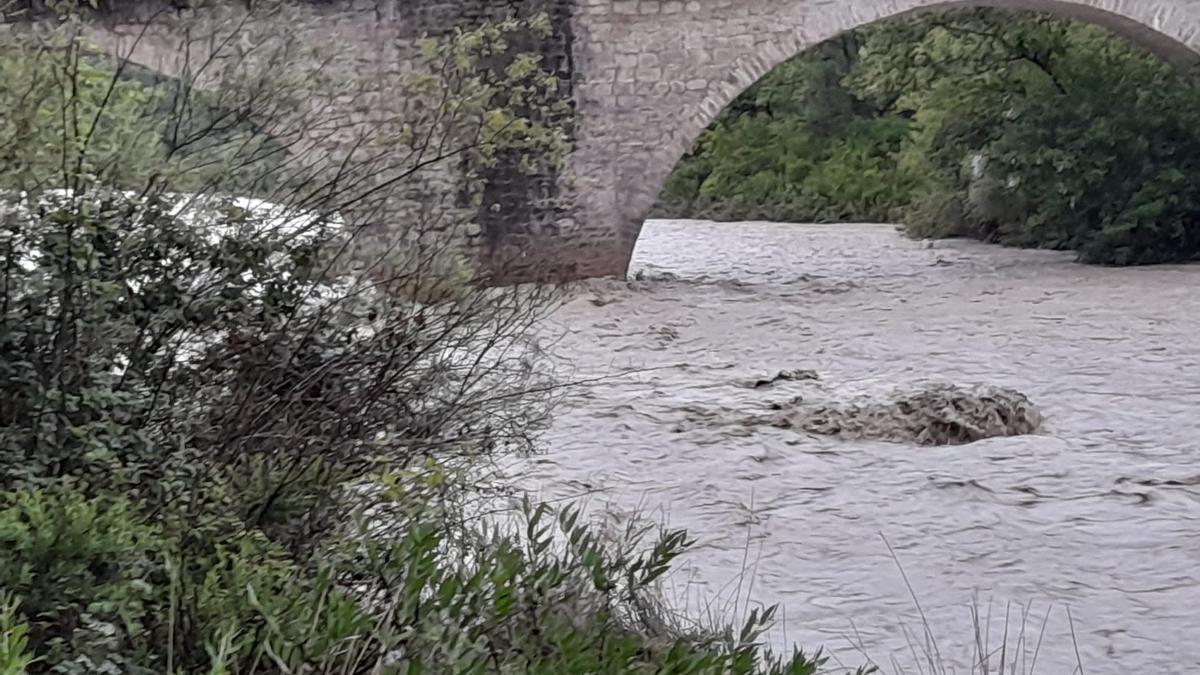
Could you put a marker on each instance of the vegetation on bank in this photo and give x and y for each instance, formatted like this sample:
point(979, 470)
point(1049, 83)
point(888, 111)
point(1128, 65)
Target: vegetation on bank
point(227, 446)
point(1019, 129)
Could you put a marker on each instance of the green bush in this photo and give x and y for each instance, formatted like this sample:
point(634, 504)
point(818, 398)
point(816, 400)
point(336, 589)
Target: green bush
point(856, 179)
point(84, 572)
point(1107, 168)
point(15, 656)
point(936, 214)
point(105, 591)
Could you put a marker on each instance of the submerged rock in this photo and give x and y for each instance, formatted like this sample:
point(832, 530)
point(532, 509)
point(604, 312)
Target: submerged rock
point(785, 376)
point(934, 415)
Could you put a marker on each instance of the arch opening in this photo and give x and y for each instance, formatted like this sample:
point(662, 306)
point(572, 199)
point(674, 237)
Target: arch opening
point(1166, 31)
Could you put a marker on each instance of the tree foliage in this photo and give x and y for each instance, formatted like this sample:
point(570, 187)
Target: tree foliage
point(1022, 129)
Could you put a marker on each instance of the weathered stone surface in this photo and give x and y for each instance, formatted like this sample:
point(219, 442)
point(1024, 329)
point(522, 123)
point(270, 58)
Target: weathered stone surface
point(646, 78)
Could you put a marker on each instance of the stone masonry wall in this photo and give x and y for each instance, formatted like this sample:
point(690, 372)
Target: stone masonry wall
point(378, 42)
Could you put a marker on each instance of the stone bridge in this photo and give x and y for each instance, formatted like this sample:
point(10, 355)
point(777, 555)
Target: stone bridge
point(648, 76)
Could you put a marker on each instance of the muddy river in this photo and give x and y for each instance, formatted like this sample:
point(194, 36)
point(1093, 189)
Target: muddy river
point(1098, 512)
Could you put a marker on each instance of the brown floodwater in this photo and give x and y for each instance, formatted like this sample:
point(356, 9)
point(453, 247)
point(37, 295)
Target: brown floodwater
point(1098, 512)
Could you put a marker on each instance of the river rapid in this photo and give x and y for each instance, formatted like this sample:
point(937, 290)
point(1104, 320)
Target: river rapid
point(1098, 512)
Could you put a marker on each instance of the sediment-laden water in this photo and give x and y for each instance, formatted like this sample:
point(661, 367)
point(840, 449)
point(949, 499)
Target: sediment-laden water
point(1099, 511)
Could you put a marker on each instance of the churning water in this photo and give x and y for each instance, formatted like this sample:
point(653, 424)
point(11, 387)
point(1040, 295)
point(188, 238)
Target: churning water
point(1099, 511)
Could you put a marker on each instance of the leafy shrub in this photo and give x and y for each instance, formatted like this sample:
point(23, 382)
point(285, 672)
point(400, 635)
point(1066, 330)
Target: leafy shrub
point(936, 214)
point(15, 658)
point(1106, 167)
point(83, 570)
point(548, 596)
point(855, 179)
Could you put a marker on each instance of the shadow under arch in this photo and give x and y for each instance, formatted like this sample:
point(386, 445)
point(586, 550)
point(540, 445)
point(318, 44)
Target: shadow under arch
point(1163, 28)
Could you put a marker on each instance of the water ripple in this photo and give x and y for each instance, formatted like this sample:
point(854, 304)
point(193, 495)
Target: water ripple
point(1099, 511)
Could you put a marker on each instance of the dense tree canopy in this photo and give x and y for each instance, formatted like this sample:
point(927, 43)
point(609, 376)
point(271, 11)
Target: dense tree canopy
point(1020, 129)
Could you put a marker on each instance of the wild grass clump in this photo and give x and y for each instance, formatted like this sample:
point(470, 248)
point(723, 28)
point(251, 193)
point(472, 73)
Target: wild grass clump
point(1012, 646)
point(1011, 642)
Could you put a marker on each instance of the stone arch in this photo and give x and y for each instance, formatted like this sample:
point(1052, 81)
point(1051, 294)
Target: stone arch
point(669, 68)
